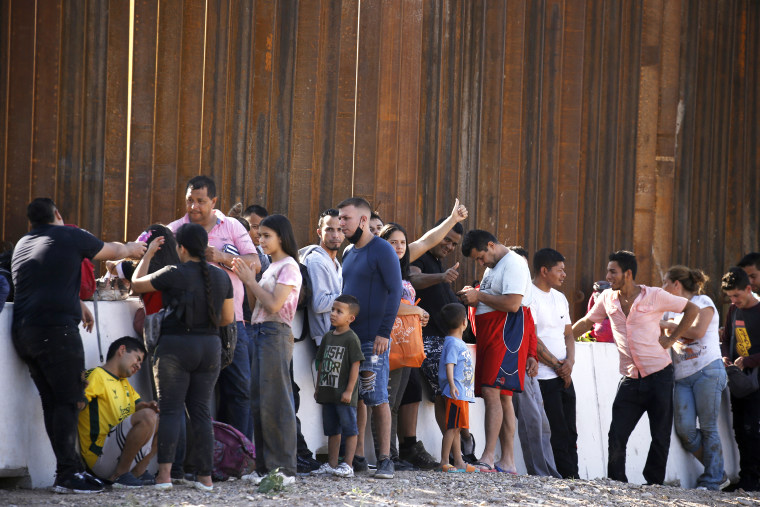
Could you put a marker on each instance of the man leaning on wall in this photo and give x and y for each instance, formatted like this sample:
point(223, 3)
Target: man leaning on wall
point(47, 274)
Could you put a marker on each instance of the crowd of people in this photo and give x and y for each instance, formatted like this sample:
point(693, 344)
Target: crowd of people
point(208, 272)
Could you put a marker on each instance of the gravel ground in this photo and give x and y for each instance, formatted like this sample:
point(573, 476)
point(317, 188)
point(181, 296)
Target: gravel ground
point(408, 488)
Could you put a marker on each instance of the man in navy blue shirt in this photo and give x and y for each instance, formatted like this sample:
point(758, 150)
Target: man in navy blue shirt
point(372, 274)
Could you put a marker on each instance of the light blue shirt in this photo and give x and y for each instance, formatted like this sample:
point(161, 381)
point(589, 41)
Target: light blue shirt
point(455, 352)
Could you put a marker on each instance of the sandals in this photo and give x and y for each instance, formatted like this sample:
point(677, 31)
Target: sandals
point(454, 470)
point(484, 467)
point(502, 470)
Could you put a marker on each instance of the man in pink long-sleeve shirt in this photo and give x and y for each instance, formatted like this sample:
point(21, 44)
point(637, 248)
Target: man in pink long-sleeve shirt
point(647, 385)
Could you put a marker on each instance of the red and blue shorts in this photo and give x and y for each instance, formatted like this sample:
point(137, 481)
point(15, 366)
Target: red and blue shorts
point(502, 349)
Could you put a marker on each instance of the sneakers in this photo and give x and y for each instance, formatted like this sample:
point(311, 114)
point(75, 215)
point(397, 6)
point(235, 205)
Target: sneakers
point(287, 480)
point(253, 477)
point(180, 477)
point(80, 482)
point(359, 464)
point(419, 457)
point(202, 487)
point(385, 469)
point(147, 478)
point(127, 481)
point(343, 470)
point(724, 482)
point(325, 469)
point(306, 464)
point(402, 465)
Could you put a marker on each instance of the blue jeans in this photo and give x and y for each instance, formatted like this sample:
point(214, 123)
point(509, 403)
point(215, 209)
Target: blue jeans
point(235, 386)
point(274, 416)
point(698, 396)
point(373, 390)
point(338, 419)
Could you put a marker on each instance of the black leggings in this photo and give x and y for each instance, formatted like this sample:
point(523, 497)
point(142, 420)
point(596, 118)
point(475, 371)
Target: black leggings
point(186, 368)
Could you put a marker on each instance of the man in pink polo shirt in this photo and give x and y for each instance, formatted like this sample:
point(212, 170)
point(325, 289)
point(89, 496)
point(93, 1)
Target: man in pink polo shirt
point(227, 239)
point(647, 385)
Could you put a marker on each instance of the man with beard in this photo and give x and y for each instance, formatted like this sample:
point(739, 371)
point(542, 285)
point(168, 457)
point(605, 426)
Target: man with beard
point(324, 271)
point(372, 274)
point(647, 386)
point(505, 337)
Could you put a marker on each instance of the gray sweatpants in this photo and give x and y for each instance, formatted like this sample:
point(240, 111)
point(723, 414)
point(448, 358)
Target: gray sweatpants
point(533, 429)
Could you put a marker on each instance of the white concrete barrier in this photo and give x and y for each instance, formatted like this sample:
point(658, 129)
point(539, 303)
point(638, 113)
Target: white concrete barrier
point(24, 447)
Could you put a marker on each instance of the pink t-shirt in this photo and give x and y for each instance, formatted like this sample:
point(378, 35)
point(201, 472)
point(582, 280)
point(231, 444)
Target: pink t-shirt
point(284, 272)
point(227, 232)
point(637, 335)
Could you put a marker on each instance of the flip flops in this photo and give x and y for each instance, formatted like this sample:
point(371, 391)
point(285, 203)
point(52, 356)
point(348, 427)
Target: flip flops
point(499, 469)
point(484, 467)
point(454, 470)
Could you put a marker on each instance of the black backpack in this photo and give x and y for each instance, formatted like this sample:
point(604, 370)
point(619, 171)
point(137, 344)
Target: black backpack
point(306, 295)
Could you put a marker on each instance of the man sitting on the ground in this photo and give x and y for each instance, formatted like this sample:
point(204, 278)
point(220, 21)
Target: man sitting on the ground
point(116, 429)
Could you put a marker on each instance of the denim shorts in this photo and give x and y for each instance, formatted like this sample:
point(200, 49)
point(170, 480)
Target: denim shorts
point(338, 419)
point(373, 390)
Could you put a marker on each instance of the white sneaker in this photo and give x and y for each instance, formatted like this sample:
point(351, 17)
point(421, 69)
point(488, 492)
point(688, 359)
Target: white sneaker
point(344, 470)
point(253, 477)
point(325, 469)
point(287, 480)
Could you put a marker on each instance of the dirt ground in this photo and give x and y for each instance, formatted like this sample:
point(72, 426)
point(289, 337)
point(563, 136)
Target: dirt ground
point(408, 488)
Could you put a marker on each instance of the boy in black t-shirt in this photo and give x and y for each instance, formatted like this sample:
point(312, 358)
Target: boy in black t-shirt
point(338, 360)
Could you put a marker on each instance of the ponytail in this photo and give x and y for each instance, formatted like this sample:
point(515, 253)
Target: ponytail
point(692, 280)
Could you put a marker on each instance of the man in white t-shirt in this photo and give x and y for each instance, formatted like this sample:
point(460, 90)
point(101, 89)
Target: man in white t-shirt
point(556, 356)
point(532, 424)
point(505, 337)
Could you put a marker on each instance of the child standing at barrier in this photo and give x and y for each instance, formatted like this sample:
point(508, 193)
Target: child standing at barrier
point(455, 377)
point(338, 360)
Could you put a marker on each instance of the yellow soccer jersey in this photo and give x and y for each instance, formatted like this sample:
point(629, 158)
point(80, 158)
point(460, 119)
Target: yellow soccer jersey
point(110, 400)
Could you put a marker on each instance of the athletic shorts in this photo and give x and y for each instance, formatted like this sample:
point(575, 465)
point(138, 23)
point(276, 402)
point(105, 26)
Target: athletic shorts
point(502, 349)
point(106, 464)
point(457, 414)
point(413, 391)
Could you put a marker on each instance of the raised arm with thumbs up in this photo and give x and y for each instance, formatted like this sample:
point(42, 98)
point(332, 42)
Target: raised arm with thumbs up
point(451, 274)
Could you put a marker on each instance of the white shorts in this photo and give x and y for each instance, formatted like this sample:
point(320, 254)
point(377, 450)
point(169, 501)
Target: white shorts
point(106, 464)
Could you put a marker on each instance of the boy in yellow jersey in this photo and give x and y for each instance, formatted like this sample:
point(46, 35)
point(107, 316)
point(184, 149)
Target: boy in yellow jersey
point(116, 432)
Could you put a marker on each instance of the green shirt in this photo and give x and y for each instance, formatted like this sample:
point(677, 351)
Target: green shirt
point(335, 356)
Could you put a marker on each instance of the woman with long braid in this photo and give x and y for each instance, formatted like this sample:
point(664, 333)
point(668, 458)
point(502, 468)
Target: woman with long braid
point(187, 358)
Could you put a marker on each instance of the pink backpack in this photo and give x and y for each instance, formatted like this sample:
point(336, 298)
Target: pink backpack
point(234, 454)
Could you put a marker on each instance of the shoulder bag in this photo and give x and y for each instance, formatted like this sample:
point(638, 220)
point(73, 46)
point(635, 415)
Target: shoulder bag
point(406, 343)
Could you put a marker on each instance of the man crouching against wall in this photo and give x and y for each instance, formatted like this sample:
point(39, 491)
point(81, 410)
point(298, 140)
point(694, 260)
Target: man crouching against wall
point(116, 429)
